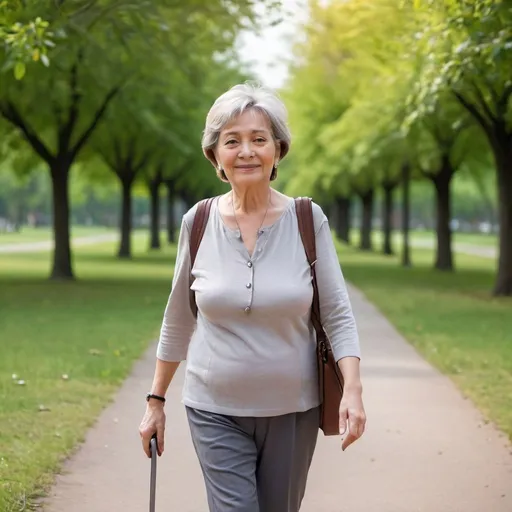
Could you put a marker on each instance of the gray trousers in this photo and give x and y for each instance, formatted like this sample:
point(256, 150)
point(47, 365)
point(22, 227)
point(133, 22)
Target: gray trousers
point(254, 464)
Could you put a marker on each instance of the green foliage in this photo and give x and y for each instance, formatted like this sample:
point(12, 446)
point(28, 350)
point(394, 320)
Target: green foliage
point(468, 51)
point(23, 41)
point(106, 46)
point(375, 85)
point(345, 94)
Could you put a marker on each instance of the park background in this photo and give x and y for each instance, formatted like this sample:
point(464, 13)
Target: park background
point(401, 119)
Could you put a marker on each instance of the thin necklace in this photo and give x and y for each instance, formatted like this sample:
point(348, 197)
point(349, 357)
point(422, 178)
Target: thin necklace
point(236, 220)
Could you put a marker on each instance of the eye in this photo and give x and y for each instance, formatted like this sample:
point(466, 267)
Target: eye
point(230, 142)
point(261, 139)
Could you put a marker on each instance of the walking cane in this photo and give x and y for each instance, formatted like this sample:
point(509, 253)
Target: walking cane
point(152, 481)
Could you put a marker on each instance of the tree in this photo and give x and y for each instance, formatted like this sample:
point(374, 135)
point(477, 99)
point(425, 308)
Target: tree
point(58, 129)
point(470, 49)
point(443, 141)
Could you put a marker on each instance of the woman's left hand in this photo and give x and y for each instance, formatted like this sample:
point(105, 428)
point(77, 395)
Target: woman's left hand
point(352, 415)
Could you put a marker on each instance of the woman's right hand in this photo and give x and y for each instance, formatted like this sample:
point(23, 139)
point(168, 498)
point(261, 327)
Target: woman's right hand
point(153, 422)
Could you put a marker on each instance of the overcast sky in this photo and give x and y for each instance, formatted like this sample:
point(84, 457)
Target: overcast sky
point(265, 52)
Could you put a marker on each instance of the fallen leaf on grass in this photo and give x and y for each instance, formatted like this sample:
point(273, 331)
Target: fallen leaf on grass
point(43, 408)
point(65, 376)
point(94, 352)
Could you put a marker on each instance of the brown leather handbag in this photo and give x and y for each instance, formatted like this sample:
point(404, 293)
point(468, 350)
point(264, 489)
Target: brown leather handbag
point(330, 379)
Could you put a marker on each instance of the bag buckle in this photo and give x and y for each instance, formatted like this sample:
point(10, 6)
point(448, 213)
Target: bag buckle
point(323, 351)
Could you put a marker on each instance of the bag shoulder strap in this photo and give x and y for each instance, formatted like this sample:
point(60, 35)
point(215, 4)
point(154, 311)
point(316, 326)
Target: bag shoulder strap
point(304, 208)
point(196, 236)
point(198, 227)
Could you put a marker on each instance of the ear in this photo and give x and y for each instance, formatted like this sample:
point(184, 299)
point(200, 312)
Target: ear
point(283, 149)
point(277, 154)
point(210, 155)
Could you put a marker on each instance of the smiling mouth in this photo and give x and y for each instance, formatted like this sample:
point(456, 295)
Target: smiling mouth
point(246, 166)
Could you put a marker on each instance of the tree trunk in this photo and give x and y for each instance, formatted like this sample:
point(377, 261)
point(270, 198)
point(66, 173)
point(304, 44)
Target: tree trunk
point(503, 284)
point(500, 139)
point(406, 207)
point(187, 199)
point(171, 221)
point(61, 265)
point(331, 213)
point(125, 249)
point(343, 218)
point(154, 187)
point(387, 218)
point(366, 221)
point(442, 181)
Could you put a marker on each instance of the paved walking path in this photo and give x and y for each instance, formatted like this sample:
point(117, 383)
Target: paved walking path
point(426, 448)
point(47, 245)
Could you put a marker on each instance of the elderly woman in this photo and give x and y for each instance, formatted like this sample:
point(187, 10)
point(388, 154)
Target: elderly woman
point(251, 382)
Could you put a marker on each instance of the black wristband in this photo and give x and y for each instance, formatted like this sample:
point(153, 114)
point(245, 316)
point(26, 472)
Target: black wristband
point(156, 397)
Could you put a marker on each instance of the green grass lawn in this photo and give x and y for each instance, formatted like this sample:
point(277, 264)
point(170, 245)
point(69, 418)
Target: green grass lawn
point(91, 330)
point(475, 239)
point(450, 318)
point(27, 234)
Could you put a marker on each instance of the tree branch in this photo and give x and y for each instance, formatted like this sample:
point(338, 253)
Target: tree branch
point(96, 119)
point(503, 101)
point(108, 160)
point(486, 126)
point(428, 174)
point(438, 135)
point(443, 140)
point(83, 9)
point(11, 114)
point(56, 106)
point(157, 178)
point(132, 146)
point(143, 161)
point(66, 130)
point(117, 152)
point(483, 103)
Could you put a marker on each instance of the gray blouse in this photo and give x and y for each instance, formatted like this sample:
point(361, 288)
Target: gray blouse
point(251, 351)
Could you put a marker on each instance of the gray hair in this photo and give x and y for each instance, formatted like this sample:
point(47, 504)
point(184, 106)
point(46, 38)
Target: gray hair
point(233, 103)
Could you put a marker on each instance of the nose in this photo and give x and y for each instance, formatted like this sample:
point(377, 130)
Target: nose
point(246, 150)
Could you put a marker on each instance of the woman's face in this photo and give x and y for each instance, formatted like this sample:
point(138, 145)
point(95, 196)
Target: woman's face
point(246, 150)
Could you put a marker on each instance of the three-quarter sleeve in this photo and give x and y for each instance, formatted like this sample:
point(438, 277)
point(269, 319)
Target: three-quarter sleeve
point(335, 308)
point(179, 322)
